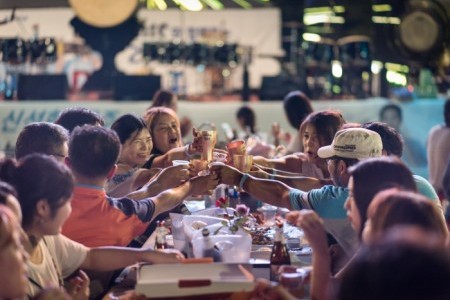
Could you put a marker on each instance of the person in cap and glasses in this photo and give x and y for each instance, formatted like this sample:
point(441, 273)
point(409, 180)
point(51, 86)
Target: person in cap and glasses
point(347, 148)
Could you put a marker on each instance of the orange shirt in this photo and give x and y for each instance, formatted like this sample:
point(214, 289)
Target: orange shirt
point(95, 222)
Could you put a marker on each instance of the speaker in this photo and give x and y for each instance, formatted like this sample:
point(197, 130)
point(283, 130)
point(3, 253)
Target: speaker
point(42, 87)
point(127, 87)
point(276, 87)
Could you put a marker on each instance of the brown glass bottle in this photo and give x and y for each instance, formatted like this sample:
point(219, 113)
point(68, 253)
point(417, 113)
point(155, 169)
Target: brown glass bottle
point(161, 231)
point(280, 253)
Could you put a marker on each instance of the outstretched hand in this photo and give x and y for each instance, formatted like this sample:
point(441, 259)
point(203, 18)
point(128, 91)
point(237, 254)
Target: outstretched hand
point(201, 184)
point(226, 174)
point(312, 226)
point(173, 176)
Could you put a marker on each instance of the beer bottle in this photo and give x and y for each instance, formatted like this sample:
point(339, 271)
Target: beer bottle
point(280, 253)
point(161, 231)
point(208, 248)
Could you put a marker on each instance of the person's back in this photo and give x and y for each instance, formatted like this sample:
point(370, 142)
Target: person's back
point(438, 150)
point(393, 145)
point(95, 219)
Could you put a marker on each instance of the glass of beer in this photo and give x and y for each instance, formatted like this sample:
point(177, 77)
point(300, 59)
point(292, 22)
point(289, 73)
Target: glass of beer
point(209, 138)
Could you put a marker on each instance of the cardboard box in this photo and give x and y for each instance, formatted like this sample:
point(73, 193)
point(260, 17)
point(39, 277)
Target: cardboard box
point(172, 280)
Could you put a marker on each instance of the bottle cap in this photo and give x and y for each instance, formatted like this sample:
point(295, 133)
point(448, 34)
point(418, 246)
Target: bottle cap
point(205, 232)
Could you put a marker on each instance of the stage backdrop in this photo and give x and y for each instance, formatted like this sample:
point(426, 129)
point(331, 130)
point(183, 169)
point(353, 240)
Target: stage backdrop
point(257, 28)
point(418, 117)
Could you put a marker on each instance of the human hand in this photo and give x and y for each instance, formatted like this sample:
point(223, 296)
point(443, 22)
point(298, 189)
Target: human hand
point(201, 184)
point(197, 143)
point(312, 226)
point(276, 130)
point(227, 175)
point(173, 176)
point(264, 290)
point(164, 256)
point(52, 293)
point(78, 287)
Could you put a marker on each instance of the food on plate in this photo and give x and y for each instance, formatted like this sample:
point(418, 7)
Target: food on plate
point(260, 236)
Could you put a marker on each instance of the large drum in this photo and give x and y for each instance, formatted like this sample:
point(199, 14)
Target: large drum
point(14, 51)
point(320, 54)
point(355, 50)
point(42, 50)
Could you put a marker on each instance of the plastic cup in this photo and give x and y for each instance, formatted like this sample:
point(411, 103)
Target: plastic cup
point(179, 162)
point(236, 147)
point(269, 213)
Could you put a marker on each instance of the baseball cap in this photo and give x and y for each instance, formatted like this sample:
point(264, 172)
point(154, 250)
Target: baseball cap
point(356, 143)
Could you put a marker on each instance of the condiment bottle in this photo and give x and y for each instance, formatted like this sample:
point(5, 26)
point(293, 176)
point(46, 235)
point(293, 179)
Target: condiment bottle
point(280, 253)
point(161, 231)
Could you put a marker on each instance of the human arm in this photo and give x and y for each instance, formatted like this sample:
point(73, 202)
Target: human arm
point(313, 229)
point(113, 258)
point(167, 178)
point(181, 153)
point(288, 163)
point(195, 186)
point(269, 191)
point(295, 181)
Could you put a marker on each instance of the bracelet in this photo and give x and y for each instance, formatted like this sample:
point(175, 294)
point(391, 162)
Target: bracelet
point(274, 173)
point(243, 180)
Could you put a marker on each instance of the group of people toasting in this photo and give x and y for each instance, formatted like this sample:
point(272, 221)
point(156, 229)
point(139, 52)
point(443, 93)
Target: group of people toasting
point(77, 195)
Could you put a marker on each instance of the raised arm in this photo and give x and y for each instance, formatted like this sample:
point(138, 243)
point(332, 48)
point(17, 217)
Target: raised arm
point(299, 182)
point(172, 197)
point(268, 191)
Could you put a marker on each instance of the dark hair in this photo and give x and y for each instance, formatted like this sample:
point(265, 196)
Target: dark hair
point(6, 189)
point(37, 177)
point(151, 118)
point(297, 106)
point(326, 123)
point(393, 107)
point(248, 116)
point(162, 98)
point(392, 207)
point(396, 271)
point(447, 112)
point(373, 175)
point(126, 125)
point(41, 137)
point(93, 150)
point(391, 138)
point(72, 117)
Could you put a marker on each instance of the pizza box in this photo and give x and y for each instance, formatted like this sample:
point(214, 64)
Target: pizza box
point(174, 280)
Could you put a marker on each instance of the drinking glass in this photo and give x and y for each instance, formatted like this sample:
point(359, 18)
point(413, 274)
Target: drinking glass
point(243, 162)
point(209, 138)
